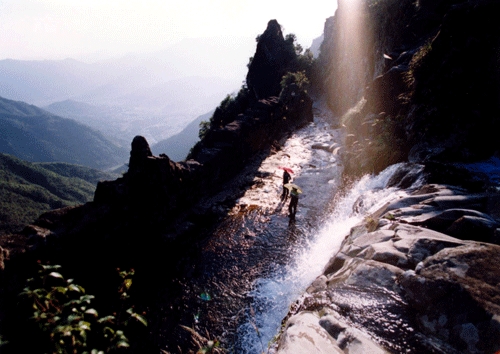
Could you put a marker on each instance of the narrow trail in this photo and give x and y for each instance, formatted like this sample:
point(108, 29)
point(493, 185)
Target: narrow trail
point(257, 236)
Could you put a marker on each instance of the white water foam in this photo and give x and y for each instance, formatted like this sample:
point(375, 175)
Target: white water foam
point(272, 296)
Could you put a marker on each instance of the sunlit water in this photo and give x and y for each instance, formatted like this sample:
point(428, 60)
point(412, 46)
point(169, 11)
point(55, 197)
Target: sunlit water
point(239, 285)
point(272, 295)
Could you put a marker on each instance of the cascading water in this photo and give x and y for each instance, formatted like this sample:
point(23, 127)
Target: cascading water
point(271, 296)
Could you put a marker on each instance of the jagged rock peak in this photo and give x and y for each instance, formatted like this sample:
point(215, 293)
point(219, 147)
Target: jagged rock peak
point(273, 57)
point(273, 30)
point(139, 152)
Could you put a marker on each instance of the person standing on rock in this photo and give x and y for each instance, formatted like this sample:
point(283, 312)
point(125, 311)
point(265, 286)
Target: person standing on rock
point(294, 200)
point(286, 179)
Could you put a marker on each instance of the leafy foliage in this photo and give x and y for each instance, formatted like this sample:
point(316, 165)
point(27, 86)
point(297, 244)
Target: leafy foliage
point(204, 127)
point(291, 38)
point(293, 84)
point(230, 107)
point(298, 78)
point(226, 112)
point(67, 322)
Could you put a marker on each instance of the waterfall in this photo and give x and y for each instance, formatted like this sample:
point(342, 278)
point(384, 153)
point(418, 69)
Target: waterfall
point(272, 296)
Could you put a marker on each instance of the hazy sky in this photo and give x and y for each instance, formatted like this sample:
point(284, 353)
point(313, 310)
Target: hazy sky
point(90, 29)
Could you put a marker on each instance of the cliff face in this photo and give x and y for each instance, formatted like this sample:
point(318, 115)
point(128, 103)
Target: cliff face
point(422, 76)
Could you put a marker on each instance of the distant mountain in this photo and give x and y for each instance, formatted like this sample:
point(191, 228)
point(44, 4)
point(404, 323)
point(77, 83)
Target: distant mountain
point(44, 81)
point(155, 112)
point(316, 45)
point(102, 118)
point(177, 147)
point(35, 135)
point(155, 95)
point(30, 189)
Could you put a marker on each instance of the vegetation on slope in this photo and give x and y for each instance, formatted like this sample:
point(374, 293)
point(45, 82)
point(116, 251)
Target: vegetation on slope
point(28, 189)
point(35, 135)
point(296, 76)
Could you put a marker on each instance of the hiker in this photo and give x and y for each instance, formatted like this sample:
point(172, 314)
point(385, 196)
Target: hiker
point(294, 200)
point(286, 179)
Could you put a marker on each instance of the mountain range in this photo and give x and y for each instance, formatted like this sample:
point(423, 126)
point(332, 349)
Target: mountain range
point(177, 146)
point(155, 94)
point(35, 135)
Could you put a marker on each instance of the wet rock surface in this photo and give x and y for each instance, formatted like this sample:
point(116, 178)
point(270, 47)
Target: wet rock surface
point(255, 238)
point(405, 287)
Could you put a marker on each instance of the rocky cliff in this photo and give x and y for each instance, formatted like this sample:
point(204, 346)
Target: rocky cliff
point(418, 275)
point(413, 80)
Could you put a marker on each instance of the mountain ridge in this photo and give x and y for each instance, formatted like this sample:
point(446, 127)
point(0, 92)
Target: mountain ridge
point(36, 135)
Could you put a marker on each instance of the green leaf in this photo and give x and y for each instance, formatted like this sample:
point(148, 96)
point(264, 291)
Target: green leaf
point(86, 298)
point(56, 275)
point(60, 289)
point(51, 267)
point(72, 303)
point(109, 319)
point(139, 318)
point(84, 325)
point(73, 287)
point(128, 283)
point(108, 330)
point(74, 318)
point(122, 344)
point(92, 312)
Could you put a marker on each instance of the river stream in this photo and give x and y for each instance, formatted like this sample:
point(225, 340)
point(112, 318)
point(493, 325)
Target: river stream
point(258, 261)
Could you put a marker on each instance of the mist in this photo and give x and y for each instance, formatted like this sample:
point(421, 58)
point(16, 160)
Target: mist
point(138, 68)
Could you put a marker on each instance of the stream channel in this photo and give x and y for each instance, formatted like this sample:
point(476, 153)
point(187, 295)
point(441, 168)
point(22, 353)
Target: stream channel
point(258, 261)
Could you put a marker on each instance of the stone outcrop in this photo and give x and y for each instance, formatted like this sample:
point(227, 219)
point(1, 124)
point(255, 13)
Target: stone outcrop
point(274, 58)
point(422, 272)
point(406, 80)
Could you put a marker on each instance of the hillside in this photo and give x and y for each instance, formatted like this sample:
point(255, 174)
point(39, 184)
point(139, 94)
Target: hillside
point(157, 112)
point(177, 146)
point(154, 95)
point(30, 189)
point(35, 135)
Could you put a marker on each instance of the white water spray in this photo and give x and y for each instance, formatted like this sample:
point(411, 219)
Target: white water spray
point(273, 295)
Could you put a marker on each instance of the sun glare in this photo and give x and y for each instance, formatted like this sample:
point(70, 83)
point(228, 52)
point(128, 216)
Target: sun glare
point(351, 50)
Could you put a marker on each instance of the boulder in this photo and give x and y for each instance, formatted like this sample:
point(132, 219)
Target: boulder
point(456, 295)
point(308, 332)
point(426, 290)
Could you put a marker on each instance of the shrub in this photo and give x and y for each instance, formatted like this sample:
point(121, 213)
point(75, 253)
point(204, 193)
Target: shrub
point(67, 322)
point(298, 78)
